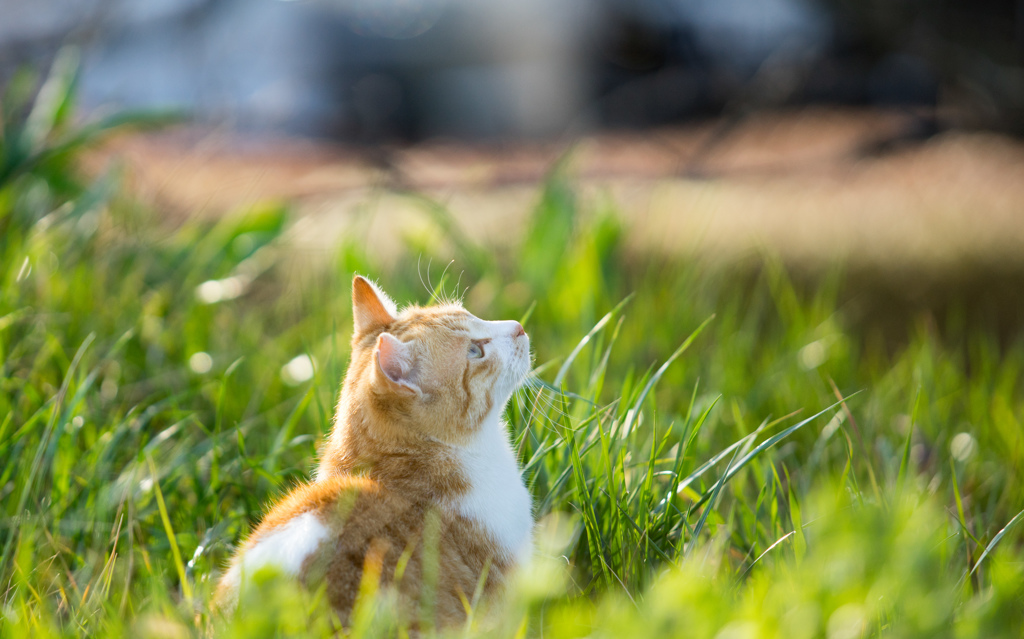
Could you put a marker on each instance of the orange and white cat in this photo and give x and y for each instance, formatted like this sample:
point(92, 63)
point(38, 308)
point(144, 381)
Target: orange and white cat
point(418, 436)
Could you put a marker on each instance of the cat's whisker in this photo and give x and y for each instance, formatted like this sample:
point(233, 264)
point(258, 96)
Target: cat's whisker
point(419, 272)
point(533, 406)
point(460, 295)
point(519, 398)
point(444, 296)
point(541, 400)
point(528, 407)
point(530, 414)
point(430, 283)
point(551, 406)
point(549, 401)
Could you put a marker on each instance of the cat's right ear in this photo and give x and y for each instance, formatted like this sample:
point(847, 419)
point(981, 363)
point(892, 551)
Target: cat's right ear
point(372, 309)
point(395, 361)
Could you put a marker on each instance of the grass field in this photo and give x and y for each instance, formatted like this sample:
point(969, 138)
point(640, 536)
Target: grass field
point(715, 452)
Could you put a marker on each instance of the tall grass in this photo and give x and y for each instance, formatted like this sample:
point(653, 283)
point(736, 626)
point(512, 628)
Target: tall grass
point(713, 451)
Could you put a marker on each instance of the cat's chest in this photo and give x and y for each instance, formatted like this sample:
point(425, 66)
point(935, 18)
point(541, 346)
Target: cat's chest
point(497, 500)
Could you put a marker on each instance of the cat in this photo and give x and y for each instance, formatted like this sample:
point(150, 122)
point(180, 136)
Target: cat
point(418, 449)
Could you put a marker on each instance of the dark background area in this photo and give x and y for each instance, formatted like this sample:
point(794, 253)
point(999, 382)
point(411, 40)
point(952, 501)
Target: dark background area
point(409, 70)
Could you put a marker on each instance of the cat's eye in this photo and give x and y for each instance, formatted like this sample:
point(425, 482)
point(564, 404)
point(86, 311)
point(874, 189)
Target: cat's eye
point(476, 351)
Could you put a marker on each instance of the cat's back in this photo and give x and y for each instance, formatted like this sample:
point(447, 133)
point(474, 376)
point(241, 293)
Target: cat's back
point(295, 530)
point(332, 530)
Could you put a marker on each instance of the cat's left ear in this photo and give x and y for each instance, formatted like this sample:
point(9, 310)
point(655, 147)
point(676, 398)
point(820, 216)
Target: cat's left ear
point(395, 363)
point(372, 309)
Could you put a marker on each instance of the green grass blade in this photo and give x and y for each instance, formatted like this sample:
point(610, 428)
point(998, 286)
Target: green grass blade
point(707, 510)
point(564, 369)
point(179, 565)
point(631, 416)
point(43, 443)
point(768, 443)
point(995, 540)
point(905, 459)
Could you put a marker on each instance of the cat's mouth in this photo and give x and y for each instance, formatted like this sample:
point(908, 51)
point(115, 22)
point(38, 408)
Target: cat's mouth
point(520, 364)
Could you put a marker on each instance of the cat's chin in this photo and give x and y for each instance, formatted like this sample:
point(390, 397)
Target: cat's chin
point(518, 373)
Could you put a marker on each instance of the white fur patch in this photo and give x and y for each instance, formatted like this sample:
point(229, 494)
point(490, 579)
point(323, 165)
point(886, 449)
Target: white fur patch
point(286, 548)
point(498, 499)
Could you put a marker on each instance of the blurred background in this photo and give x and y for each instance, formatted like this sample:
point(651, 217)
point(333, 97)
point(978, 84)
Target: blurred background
point(881, 135)
point(408, 70)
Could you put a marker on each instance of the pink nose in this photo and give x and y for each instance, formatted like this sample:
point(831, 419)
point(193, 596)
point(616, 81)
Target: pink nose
point(518, 331)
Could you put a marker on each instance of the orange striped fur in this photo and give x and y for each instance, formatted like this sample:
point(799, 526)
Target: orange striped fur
point(418, 451)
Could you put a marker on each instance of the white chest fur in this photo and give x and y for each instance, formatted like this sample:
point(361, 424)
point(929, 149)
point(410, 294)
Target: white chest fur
point(498, 499)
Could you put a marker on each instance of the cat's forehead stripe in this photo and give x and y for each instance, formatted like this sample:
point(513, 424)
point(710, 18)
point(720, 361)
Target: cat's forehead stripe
point(432, 317)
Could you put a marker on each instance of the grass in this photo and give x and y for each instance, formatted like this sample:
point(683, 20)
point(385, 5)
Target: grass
point(715, 452)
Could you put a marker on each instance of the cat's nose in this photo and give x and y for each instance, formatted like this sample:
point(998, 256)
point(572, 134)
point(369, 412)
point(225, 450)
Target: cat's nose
point(517, 330)
point(511, 328)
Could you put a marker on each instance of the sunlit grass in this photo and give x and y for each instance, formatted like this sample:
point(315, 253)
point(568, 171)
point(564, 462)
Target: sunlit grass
point(713, 451)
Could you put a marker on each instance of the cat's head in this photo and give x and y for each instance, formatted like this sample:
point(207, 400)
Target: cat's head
point(437, 370)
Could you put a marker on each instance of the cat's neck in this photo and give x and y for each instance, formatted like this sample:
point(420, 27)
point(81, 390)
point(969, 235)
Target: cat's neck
point(497, 498)
point(362, 443)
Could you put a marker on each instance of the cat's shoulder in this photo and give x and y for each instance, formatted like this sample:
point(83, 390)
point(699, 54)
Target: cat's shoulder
point(319, 498)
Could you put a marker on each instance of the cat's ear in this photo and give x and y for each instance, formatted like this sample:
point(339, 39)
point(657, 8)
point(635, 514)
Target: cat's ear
point(371, 307)
point(395, 362)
